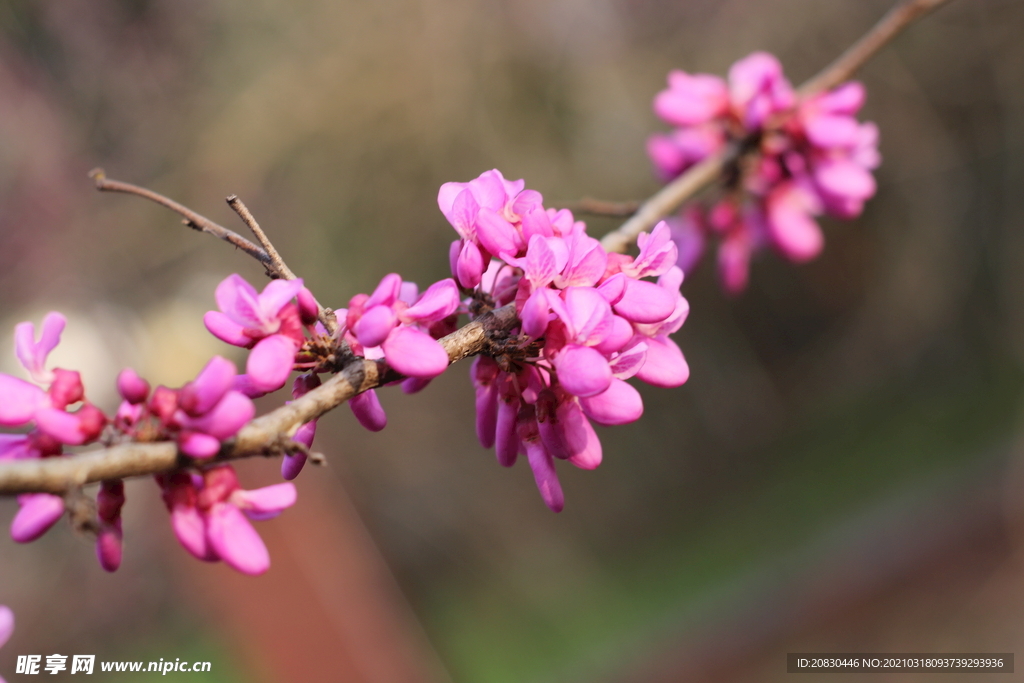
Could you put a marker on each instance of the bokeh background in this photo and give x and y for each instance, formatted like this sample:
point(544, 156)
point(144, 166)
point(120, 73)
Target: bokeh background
point(843, 472)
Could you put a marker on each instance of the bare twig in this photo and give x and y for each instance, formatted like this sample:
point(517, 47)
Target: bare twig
point(192, 219)
point(278, 266)
point(880, 35)
point(266, 255)
point(686, 186)
point(262, 436)
point(600, 207)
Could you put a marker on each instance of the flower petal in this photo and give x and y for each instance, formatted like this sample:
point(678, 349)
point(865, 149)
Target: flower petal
point(544, 474)
point(375, 325)
point(190, 529)
point(227, 330)
point(582, 371)
point(204, 392)
point(38, 512)
point(232, 537)
point(270, 362)
point(19, 401)
point(665, 365)
point(645, 302)
point(439, 301)
point(268, 500)
point(620, 404)
point(414, 353)
point(6, 624)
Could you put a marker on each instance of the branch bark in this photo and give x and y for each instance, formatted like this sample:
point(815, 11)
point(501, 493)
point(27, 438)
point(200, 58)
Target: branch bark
point(686, 186)
point(262, 436)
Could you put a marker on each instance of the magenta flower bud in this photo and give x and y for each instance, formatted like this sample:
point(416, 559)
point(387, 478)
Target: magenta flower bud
point(163, 403)
point(375, 325)
point(204, 392)
point(66, 388)
point(270, 362)
point(469, 265)
point(110, 500)
point(506, 441)
point(415, 353)
point(198, 445)
point(19, 401)
point(414, 385)
point(132, 388)
point(291, 465)
point(367, 409)
point(309, 311)
point(108, 547)
point(39, 512)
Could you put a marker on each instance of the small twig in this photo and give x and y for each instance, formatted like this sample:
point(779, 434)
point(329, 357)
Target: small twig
point(262, 435)
point(880, 35)
point(600, 207)
point(192, 219)
point(686, 186)
point(277, 267)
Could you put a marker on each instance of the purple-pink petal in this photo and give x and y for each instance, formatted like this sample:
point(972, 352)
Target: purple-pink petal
point(276, 294)
point(62, 426)
point(226, 418)
point(227, 330)
point(19, 401)
point(368, 410)
point(386, 293)
point(469, 265)
point(270, 362)
point(232, 537)
point(544, 474)
point(38, 512)
point(239, 301)
point(415, 353)
point(198, 445)
point(506, 441)
point(645, 302)
point(620, 404)
point(190, 529)
point(582, 371)
point(291, 465)
point(265, 502)
point(204, 392)
point(665, 365)
point(439, 301)
point(375, 325)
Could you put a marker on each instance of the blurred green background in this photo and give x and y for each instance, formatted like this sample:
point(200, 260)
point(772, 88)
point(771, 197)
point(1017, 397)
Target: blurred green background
point(841, 473)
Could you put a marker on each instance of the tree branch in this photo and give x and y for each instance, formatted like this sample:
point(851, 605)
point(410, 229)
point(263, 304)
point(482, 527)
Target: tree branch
point(686, 186)
point(262, 436)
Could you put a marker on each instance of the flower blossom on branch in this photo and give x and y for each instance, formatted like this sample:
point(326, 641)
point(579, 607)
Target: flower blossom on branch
point(589, 321)
point(809, 157)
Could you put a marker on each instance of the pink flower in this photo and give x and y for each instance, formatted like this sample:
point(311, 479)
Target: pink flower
point(33, 354)
point(267, 322)
point(38, 512)
point(589, 321)
point(399, 324)
point(810, 157)
point(211, 514)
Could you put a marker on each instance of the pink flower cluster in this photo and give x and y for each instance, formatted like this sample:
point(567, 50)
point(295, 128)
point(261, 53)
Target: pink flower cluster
point(589, 322)
point(54, 417)
point(813, 157)
point(210, 515)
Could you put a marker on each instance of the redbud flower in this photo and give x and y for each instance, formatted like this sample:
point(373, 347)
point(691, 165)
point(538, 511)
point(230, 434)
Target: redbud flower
point(210, 516)
point(109, 502)
point(812, 157)
point(588, 322)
